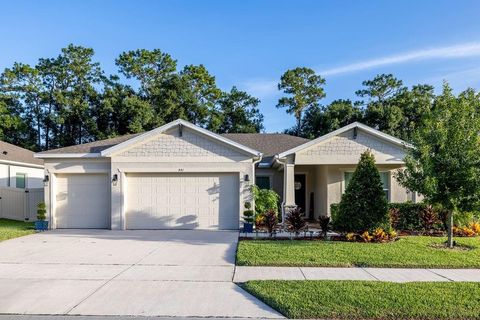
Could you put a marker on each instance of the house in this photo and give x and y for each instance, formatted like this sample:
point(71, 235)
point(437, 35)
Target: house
point(19, 168)
point(183, 176)
point(21, 182)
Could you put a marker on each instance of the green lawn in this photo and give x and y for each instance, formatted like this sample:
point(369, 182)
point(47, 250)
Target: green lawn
point(370, 299)
point(12, 229)
point(408, 252)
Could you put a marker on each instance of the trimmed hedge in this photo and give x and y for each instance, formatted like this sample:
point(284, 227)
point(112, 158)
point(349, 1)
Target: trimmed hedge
point(410, 216)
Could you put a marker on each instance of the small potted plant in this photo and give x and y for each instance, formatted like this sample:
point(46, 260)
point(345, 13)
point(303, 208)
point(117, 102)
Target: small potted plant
point(41, 224)
point(248, 217)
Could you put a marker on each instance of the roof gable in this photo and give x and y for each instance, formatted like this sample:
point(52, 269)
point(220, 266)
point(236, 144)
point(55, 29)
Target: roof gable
point(144, 138)
point(353, 126)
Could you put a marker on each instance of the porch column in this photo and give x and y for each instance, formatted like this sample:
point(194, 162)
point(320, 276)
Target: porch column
point(288, 188)
point(289, 185)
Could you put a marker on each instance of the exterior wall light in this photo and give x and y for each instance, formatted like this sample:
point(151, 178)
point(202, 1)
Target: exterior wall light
point(247, 178)
point(46, 179)
point(115, 179)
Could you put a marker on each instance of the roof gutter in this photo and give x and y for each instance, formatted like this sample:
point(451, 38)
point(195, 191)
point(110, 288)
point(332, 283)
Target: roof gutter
point(23, 164)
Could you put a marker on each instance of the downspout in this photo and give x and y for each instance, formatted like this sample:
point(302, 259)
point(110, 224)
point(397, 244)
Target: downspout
point(284, 164)
point(255, 161)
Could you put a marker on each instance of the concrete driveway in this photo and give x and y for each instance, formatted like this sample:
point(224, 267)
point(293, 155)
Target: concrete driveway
point(103, 272)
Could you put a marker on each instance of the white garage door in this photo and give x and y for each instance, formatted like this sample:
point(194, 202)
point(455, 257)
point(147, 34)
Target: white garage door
point(182, 201)
point(83, 201)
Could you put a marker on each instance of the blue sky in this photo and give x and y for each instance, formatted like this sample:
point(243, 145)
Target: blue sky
point(251, 43)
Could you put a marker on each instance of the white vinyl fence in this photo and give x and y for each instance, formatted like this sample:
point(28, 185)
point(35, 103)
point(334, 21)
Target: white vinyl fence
point(20, 204)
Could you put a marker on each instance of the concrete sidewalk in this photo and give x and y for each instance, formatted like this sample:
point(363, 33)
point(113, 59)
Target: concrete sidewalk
point(243, 274)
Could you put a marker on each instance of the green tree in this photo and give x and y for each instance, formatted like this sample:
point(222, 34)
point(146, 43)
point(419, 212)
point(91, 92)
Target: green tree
point(380, 111)
point(319, 121)
point(444, 163)
point(13, 128)
point(414, 104)
point(120, 111)
point(238, 113)
point(304, 89)
point(22, 89)
point(363, 206)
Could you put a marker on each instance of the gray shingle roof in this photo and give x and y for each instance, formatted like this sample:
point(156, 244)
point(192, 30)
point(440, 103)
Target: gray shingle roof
point(10, 152)
point(267, 143)
point(93, 147)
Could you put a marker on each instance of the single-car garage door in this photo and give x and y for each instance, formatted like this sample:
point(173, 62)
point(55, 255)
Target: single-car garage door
point(182, 201)
point(83, 201)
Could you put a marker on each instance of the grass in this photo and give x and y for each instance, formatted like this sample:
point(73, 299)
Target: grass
point(407, 252)
point(13, 229)
point(370, 299)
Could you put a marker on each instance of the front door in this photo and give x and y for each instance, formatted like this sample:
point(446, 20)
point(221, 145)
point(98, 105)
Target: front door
point(300, 191)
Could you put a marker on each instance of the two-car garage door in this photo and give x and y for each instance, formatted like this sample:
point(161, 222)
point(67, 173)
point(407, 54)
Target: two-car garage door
point(182, 201)
point(153, 201)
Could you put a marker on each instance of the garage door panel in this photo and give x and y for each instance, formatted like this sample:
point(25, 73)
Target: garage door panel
point(183, 201)
point(83, 201)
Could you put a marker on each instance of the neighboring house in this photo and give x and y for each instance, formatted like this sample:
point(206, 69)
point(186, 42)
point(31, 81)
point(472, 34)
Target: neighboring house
point(183, 176)
point(19, 168)
point(21, 182)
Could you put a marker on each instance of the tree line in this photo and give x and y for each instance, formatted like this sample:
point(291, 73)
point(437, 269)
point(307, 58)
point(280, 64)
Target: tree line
point(69, 99)
point(383, 103)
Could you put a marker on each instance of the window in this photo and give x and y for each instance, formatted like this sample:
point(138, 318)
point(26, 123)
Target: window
point(384, 176)
point(263, 182)
point(21, 180)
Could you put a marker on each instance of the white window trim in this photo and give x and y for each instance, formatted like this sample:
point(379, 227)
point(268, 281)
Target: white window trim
point(25, 178)
point(389, 179)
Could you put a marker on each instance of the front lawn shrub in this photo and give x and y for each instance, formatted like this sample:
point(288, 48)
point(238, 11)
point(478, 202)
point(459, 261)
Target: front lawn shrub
point(325, 225)
point(363, 205)
point(270, 220)
point(475, 227)
point(463, 219)
point(295, 220)
point(265, 199)
point(409, 216)
point(429, 218)
point(406, 216)
point(378, 235)
point(41, 211)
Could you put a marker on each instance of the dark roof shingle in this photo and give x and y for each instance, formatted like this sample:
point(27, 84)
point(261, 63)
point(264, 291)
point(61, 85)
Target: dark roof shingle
point(10, 152)
point(93, 147)
point(269, 144)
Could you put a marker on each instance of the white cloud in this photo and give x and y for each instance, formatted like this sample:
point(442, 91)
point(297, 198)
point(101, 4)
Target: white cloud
point(457, 51)
point(460, 80)
point(261, 88)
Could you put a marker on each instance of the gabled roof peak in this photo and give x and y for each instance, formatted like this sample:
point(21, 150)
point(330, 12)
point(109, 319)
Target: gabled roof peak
point(370, 130)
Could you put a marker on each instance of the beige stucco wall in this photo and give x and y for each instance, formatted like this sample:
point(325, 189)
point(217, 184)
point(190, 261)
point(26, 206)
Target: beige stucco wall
point(345, 149)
